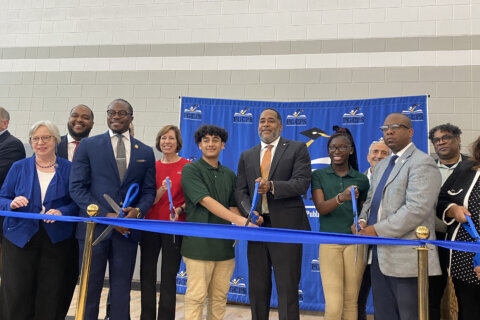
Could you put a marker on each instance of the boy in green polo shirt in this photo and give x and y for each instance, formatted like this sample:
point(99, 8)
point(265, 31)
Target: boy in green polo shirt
point(209, 196)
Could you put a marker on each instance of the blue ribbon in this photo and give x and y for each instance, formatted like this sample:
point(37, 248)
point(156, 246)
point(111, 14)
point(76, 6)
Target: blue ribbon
point(170, 199)
point(355, 210)
point(470, 227)
point(252, 214)
point(222, 231)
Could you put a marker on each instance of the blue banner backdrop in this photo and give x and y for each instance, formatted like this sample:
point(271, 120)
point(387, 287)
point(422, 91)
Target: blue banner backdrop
point(312, 123)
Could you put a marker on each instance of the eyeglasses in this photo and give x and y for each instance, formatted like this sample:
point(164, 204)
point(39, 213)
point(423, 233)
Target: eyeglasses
point(121, 113)
point(44, 139)
point(341, 148)
point(444, 138)
point(393, 127)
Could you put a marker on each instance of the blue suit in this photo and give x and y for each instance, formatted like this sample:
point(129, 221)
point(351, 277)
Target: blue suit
point(94, 173)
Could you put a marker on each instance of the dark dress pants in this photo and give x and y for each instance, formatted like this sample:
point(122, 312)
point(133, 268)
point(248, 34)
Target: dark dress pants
point(120, 253)
point(70, 278)
point(363, 294)
point(468, 296)
point(393, 298)
point(32, 278)
point(437, 284)
point(286, 260)
point(151, 245)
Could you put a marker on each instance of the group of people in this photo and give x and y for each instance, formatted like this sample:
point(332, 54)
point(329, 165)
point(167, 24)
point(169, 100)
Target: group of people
point(398, 193)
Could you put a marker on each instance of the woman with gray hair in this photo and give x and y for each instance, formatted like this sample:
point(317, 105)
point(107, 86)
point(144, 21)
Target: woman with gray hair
point(35, 251)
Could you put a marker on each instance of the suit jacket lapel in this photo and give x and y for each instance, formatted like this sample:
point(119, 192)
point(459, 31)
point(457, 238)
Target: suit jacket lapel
point(4, 136)
point(256, 160)
point(281, 147)
point(400, 163)
point(107, 145)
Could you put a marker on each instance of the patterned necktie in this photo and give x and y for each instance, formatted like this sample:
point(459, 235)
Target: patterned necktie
point(377, 197)
point(121, 157)
point(265, 170)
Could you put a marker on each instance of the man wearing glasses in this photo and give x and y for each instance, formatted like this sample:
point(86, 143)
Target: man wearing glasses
point(109, 164)
point(446, 141)
point(403, 195)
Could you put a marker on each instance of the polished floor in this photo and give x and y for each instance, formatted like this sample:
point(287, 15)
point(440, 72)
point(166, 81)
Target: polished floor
point(234, 311)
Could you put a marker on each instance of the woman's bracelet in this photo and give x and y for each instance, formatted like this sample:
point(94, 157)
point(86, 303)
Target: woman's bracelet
point(337, 198)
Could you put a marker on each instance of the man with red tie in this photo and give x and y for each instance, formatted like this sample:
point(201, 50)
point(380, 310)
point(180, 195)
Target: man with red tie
point(79, 125)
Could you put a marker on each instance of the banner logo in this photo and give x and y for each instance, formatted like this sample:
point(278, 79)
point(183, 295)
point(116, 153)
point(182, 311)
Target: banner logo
point(192, 113)
point(315, 266)
point(182, 279)
point(296, 119)
point(300, 295)
point(413, 113)
point(238, 287)
point(353, 117)
point(243, 117)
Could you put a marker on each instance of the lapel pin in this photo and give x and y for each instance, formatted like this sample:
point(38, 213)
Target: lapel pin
point(136, 146)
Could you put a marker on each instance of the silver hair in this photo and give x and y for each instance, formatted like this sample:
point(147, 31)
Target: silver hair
point(374, 143)
point(47, 124)
point(4, 114)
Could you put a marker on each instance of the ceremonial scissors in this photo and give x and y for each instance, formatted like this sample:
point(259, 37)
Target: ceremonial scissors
point(131, 194)
point(170, 199)
point(355, 219)
point(252, 216)
point(470, 227)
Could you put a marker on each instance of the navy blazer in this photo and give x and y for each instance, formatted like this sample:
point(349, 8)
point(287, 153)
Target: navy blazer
point(22, 180)
point(94, 173)
point(11, 150)
point(62, 148)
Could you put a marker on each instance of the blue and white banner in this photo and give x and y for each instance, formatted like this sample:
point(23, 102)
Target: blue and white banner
point(312, 123)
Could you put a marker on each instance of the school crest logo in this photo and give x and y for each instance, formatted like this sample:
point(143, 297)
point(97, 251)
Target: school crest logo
point(243, 117)
point(296, 119)
point(192, 113)
point(353, 117)
point(238, 286)
point(414, 113)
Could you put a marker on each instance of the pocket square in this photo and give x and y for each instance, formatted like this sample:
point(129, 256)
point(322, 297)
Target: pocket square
point(452, 192)
point(141, 160)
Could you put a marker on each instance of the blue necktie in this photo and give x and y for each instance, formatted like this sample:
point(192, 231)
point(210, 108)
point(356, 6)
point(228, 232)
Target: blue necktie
point(377, 197)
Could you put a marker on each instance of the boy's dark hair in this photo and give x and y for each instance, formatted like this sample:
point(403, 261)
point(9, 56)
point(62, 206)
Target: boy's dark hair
point(447, 127)
point(211, 130)
point(344, 132)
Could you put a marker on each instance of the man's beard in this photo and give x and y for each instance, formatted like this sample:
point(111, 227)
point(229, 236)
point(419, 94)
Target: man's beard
point(78, 136)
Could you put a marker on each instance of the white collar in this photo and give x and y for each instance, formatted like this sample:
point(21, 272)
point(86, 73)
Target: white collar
point(401, 152)
point(126, 134)
point(274, 143)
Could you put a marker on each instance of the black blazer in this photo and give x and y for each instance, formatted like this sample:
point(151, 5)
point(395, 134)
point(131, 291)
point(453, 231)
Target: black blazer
point(11, 150)
point(62, 148)
point(456, 190)
point(291, 175)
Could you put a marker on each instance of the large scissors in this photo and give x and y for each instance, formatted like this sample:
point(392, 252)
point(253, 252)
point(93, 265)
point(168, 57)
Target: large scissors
point(252, 216)
point(131, 194)
point(170, 200)
point(355, 219)
point(470, 227)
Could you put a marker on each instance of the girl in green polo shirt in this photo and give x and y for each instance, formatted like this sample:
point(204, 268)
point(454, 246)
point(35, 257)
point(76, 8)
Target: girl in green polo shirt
point(340, 271)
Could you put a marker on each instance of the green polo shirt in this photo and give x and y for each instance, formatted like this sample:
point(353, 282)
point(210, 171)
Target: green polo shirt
point(340, 219)
point(200, 180)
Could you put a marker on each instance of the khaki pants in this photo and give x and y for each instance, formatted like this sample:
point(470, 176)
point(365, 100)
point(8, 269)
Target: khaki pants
point(341, 279)
point(207, 279)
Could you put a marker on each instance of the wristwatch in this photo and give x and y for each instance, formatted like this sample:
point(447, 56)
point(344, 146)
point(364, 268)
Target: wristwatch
point(139, 214)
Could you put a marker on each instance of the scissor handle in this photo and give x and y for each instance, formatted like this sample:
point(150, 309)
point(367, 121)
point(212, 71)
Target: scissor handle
point(131, 194)
point(355, 210)
point(170, 198)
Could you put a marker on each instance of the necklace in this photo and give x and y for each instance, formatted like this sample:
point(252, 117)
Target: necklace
point(46, 167)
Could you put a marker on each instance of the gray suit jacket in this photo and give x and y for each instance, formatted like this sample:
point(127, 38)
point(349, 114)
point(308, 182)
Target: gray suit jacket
point(409, 200)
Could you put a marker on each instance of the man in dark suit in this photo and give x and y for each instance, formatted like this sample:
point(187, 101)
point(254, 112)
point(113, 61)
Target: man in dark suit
point(403, 195)
point(283, 169)
point(108, 164)
point(11, 150)
point(79, 125)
